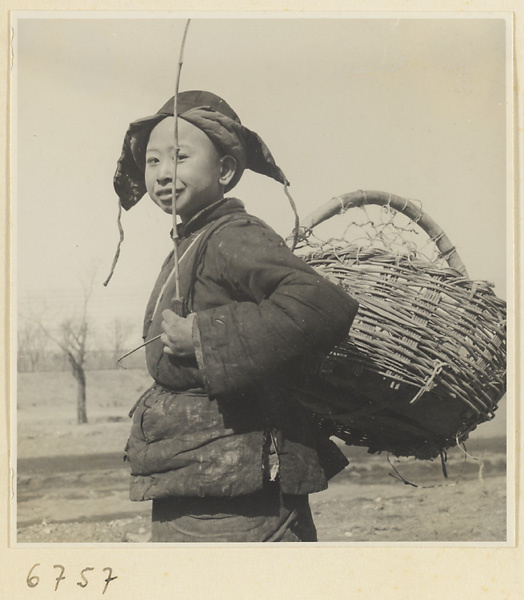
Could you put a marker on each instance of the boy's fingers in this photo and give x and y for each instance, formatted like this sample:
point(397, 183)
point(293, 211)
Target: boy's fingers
point(164, 338)
point(170, 316)
point(168, 345)
point(166, 325)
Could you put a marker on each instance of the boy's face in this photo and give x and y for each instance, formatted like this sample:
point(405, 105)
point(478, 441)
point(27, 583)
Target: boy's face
point(199, 170)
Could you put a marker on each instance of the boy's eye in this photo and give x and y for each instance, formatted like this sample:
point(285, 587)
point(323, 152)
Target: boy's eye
point(151, 160)
point(181, 156)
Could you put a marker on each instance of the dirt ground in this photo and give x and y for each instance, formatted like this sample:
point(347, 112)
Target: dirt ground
point(72, 483)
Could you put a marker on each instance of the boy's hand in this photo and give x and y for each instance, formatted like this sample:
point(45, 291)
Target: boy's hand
point(178, 334)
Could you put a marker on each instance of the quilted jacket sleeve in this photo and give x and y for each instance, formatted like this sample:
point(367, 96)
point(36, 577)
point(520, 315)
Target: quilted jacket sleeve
point(285, 311)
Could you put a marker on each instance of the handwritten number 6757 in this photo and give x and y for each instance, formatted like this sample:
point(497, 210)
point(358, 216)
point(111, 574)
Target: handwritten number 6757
point(33, 580)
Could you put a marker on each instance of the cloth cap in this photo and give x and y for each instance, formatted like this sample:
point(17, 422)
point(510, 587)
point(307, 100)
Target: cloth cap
point(216, 119)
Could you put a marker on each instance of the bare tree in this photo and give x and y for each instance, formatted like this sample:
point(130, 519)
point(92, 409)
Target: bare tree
point(73, 343)
point(72, 339)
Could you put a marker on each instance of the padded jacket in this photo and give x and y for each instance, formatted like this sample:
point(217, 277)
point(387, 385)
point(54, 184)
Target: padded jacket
point(221, 423)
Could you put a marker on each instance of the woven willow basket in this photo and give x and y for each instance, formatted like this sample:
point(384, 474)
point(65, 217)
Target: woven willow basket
point(425, 359)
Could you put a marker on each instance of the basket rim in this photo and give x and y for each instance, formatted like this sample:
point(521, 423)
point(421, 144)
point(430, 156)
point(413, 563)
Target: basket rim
point(409, 208)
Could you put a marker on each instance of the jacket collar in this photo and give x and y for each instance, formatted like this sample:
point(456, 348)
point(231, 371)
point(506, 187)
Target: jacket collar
point(209, 214)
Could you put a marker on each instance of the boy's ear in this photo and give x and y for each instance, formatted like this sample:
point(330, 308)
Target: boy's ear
point(227, 172)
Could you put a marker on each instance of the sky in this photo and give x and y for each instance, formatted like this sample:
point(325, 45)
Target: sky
point(412, 106)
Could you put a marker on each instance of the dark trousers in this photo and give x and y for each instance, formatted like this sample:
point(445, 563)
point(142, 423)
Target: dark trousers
point(266, 516)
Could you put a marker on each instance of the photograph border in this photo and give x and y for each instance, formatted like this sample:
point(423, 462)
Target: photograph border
point(133, 565)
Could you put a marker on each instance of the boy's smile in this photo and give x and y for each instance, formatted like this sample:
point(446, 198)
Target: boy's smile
point(202, 173)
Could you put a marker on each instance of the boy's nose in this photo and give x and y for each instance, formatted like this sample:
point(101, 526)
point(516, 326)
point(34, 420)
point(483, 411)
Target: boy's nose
point(165, 172)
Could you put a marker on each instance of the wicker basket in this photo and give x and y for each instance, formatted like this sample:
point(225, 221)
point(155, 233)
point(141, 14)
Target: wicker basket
point(425, 360)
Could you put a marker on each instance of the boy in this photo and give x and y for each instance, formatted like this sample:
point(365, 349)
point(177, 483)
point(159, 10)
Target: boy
point(219, 443)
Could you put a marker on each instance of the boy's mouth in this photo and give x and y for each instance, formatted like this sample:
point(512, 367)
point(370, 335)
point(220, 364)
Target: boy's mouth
point(165, 195)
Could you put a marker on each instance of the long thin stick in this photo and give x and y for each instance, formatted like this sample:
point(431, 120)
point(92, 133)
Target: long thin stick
point(177, 150)
point(173, 195)
point(157, 337)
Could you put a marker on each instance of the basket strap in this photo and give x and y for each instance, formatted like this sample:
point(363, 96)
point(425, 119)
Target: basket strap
point(407, 207)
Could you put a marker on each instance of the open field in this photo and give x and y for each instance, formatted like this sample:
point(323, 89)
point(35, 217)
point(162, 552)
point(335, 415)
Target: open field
point(72, 482)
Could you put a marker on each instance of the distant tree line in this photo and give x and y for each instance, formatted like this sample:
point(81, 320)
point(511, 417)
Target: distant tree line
point(95, 360)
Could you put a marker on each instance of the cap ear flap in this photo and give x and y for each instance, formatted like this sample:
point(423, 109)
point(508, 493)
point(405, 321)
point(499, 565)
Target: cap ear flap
point(259, 157)
point(128, 180)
